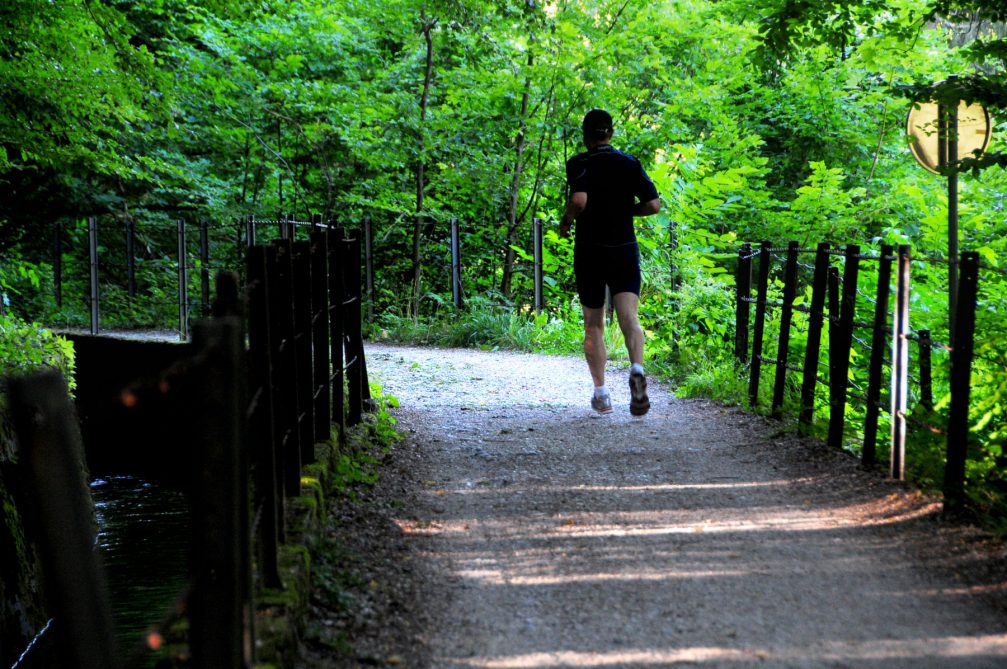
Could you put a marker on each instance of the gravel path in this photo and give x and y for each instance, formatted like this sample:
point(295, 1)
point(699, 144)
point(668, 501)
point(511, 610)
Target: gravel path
point(520, 530)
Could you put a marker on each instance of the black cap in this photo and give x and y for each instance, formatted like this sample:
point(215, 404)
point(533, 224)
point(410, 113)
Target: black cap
point(597, 123)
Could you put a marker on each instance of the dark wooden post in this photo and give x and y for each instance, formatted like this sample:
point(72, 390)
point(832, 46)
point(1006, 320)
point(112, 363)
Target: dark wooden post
point(742, 309)
point(304, 340)
point(183, 285)
point(57, 262)
point(131, 259)
point(322, 397)
point(869, 452)
point(900, 365)
point(839, 355)
point(961, 382)
point(220, 614)
point(337, 295)
point(786, 318)
point(268, 502)
point(354, 342)
point(285, 356)
point(204, 266)
point(812, 353)
point(51, 459)
point(765, 259)
point(926, 370)
point(92, 237)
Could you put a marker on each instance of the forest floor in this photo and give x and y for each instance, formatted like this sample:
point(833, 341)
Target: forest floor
point(514, 528)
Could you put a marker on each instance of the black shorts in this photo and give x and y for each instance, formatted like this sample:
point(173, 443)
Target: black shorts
point(596, 266)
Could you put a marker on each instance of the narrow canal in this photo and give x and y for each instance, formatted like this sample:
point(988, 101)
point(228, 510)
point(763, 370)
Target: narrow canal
point(143, 534)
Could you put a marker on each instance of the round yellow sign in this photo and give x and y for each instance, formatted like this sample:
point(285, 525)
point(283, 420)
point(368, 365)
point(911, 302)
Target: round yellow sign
point(974, 131)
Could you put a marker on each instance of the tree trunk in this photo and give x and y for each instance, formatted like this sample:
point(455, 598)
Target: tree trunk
point(515, 186)
point(414, 306)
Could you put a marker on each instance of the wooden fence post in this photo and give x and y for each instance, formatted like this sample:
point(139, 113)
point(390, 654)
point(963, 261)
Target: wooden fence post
point(61, 519)
point(354, 343)
point(303, 335)
point(742, 310)
point(819, 288)
point(765, 259)
point(869, 452)
point(261, 419)
point(961, 382)
point(369, 267)
point(839, 355)
point(900, 365)
point(220, 608)
point(285, 354)
point(337, 341)
point(786, 318)
point(322, 397)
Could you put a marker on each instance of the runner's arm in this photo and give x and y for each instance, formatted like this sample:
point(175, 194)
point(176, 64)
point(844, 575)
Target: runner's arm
point(648, 208)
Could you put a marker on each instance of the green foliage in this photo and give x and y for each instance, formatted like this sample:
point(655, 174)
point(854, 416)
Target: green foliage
point(27, 347)
point(775, 119)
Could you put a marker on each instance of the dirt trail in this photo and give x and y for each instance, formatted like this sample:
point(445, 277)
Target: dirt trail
point(542, 535)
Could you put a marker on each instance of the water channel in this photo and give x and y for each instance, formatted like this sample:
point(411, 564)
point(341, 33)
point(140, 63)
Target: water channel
point(143, 535)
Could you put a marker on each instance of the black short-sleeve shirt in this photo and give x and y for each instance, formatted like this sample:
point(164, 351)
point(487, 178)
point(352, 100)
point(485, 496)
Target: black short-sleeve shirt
point(614, 181)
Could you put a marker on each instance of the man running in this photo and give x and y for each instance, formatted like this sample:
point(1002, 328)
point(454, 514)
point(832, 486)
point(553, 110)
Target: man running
point(607, 189)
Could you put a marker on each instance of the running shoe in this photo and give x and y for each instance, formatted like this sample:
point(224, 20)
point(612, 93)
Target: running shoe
point(602, 403)
point(639, 403)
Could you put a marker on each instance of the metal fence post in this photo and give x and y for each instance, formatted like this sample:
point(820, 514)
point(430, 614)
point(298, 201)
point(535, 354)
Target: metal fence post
point(183, 285)
point(869, 452)
point(961, 382)
point(765, 259)
point(742, 310)
point(204, 266)
point(926, 370)
point(786, 317)
point(456, 277)
point(92, 237)
point(250, 231)
point(816, 318)
point(537, 247)
point(131, 258)
point(900, 365)
point(57, 262)
point(369, 267)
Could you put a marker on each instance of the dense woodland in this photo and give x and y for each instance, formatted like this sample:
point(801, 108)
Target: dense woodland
point(767, 119)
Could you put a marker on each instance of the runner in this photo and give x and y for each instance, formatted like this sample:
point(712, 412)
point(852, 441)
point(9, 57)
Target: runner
point(607, 189)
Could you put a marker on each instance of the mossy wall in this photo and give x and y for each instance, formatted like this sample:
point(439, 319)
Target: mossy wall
point(22, 612)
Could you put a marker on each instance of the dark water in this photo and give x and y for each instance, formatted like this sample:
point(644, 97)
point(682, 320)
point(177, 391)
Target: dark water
point(143, 533)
